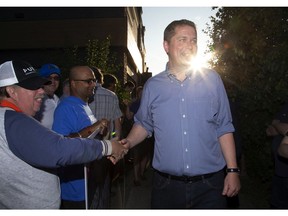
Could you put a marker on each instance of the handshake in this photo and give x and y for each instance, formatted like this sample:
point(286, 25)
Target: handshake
point(119, 150)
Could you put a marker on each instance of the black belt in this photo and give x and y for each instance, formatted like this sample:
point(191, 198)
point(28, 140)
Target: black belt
point(186, 179)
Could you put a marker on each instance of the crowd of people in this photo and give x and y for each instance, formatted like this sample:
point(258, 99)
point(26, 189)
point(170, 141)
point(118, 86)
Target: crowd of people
point(32, 155)
point(61, 151)
point(74, 178)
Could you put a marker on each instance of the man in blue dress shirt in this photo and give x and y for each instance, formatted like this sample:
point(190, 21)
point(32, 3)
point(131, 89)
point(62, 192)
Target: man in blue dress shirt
point(188, 111)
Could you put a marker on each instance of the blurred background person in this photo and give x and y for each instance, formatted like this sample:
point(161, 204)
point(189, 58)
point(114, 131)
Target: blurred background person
point(105, 104)
point(65, 89)
point(278, 129)
point(110, 82)
point(51, 100)
point(141, 152)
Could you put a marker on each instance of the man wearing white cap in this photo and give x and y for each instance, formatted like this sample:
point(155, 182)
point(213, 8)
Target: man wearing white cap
point(29, 152)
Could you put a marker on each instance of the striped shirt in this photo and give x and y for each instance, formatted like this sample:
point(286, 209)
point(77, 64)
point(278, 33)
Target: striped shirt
point(106, 105)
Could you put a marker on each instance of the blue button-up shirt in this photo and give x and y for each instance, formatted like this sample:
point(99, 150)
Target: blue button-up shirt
point(187, 119)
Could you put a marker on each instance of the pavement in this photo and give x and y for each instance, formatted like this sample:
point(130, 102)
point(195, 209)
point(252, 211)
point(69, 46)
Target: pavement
point(125, 195)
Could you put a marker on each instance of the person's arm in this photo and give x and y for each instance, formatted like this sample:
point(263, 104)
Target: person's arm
point(41, 147)
point(283, 147)
point(129, 115)
point(118, 129)
point(228, 150)
point(232, 181)
point(282, 128)
point(100, 125)
point(271, 130)
point(135, 136)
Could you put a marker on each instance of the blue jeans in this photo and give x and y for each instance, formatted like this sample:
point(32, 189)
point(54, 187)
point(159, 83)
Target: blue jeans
point(174, 194)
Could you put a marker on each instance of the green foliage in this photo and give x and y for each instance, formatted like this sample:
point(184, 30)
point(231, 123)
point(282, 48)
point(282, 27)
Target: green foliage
point(95, 53)
point(99, 55)
point(250, 47)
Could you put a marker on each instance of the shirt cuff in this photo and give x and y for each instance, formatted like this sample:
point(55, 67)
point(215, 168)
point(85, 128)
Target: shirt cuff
point(107, 147)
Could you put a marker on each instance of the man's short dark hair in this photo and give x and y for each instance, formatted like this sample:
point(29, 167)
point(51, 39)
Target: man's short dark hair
point(129, 84)
point(169, 31)
point(98, 74)
point(108, 80)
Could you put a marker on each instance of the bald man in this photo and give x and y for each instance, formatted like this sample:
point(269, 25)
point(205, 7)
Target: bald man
point(73, 117)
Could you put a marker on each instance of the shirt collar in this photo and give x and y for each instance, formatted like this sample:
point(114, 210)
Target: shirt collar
point(171, 75)
point(5, 103)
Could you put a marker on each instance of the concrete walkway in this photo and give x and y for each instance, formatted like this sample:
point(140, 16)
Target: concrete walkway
point(125, 195)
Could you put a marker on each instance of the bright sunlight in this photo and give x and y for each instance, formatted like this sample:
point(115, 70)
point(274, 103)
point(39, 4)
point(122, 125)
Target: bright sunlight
point(201, 61)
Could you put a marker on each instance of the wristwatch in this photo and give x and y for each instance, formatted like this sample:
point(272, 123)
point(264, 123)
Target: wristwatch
point(234, 170)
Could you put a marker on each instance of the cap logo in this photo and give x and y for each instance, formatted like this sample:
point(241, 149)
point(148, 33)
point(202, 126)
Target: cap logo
point(28, 70)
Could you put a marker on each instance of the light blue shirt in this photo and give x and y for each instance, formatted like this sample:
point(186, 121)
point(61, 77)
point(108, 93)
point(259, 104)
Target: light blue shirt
point(187, 119)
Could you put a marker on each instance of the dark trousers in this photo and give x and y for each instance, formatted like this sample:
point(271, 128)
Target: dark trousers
point(66, 204)
point(279, 194)
point(99, 184)
point(175, 194)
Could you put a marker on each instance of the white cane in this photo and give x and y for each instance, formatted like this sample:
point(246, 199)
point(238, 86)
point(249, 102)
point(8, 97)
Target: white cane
point(86, 186)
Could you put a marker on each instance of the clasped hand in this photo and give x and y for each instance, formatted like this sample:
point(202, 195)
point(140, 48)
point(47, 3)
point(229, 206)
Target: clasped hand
point(102, 125)
point(118, 151)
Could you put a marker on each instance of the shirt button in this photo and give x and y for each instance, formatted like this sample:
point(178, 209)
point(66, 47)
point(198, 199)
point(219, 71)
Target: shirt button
point(184, 116)
point(185, 132)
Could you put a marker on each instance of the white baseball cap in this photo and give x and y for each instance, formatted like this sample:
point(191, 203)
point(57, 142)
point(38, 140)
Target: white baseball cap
point(21, 73)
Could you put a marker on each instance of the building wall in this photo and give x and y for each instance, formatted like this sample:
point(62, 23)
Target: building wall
point(39, 34)
point(61, 33)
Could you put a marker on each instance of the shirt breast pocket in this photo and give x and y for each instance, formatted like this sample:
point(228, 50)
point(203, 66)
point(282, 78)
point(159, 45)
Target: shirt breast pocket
point(204, 109)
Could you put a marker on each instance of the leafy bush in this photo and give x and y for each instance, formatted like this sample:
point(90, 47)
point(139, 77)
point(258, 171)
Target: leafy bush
point(250, 53)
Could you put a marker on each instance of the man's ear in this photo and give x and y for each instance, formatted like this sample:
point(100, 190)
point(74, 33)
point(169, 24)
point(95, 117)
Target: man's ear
point(166, 46)
point(72, 84)
point(10, 91)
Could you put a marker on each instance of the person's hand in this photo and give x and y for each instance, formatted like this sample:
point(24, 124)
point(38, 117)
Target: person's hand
point(126, 102)
point(283, 147)
point(102, 126)
point(118, 151)
point(231, 185)
point(271, 131)
point(125, 143)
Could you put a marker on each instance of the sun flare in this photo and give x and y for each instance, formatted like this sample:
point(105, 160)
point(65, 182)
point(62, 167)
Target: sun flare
point(201, 61)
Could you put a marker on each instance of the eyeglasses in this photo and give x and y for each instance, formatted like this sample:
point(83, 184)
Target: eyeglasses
point(88, 81)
